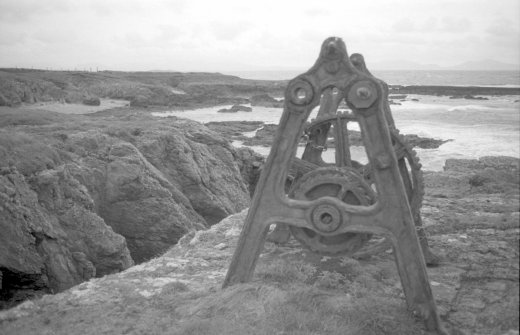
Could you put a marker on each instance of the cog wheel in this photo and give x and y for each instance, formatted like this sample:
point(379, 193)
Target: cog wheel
point(411, 173)
point(410, 169)
point(343, 183)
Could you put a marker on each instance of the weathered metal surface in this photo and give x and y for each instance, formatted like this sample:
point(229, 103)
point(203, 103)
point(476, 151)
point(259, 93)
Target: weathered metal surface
point(317, 134)
point(332, 202)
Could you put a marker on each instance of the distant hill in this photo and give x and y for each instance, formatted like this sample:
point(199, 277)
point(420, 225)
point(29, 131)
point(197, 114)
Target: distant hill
point(486, 65)
point(482, 65)
point(397, 64)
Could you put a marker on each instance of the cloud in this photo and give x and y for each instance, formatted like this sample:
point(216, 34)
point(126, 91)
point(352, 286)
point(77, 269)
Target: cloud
point(55, 35)
point(403, 25)
point(11, 38)
point(228, 31)
point(447, 24)
point(454, 25)
point(502, 28)
point(316, 11)
point(169, 33)
point(24, 10)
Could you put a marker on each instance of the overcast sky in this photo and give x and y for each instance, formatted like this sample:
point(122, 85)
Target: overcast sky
point(235, 35)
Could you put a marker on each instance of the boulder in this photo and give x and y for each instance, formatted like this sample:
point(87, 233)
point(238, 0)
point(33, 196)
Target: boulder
point(424, 142)
point(202, 165)
point(471, 97)
point(250, 164)
point(144, 207)
point(51, 239)
point(235, 108)
point(265, 100)
point(397, 96)
point(486, 162)
point(167, 182)
point(91, 101)
point(4, 101)
point(78, 204)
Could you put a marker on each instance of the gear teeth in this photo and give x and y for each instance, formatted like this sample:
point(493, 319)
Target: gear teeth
point(351, 242)
point(415, 169)
point(417, 175)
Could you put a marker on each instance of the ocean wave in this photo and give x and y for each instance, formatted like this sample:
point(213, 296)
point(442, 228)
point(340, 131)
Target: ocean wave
point(465, 108)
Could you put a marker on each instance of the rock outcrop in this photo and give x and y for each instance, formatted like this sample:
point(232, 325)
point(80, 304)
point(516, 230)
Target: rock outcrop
point(250, 164)
point(78, 198)
point(142, 89)
point(235, 108)
point(265, 100)
point(91, 101)
point(51, 238)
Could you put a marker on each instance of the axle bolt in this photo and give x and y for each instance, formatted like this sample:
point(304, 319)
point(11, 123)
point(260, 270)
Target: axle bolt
point(363, 93)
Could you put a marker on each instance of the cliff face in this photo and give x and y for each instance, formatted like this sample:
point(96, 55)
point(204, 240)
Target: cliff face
point(79, 195)
point(51, 239)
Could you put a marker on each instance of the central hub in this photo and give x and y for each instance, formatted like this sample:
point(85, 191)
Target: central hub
point(362, 94)
point(326, 218)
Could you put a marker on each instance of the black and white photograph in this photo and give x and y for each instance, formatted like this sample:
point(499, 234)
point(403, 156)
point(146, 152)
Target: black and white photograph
point(196, 167)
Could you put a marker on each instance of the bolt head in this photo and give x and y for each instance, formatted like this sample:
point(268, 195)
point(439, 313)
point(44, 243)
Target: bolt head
point(362, 94)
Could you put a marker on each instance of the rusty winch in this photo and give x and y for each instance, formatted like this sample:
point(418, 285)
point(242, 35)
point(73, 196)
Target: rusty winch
point(336, 208)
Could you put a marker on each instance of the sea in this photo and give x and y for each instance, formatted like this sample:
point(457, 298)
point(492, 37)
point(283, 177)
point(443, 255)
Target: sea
point(474, 128)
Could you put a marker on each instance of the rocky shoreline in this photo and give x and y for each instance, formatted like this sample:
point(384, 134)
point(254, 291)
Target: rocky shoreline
point(472, 224)
point(88, 195)
point(85, 197)
point(174, 89)
point(264, 135)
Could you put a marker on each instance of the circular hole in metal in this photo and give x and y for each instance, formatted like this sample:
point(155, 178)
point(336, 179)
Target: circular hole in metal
point(300, 95)
point(326, 218)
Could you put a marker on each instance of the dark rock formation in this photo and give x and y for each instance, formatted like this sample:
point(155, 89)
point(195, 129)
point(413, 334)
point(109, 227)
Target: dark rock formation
point(499, 163)
point(265, 100)
point(486, 175)
point(92, 101)
point(397, 96)
point(135, 199)
point(235, 108)
point(263, 137)
point(250, 164)
point(201, 164)
point(424, 142)
point(51, 237)
point(74, 202)
point(234, 129)
point(175, 89)
point(468, 97)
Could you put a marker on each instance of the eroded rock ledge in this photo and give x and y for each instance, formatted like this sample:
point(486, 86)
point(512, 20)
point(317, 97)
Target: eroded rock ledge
point(82, 197)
